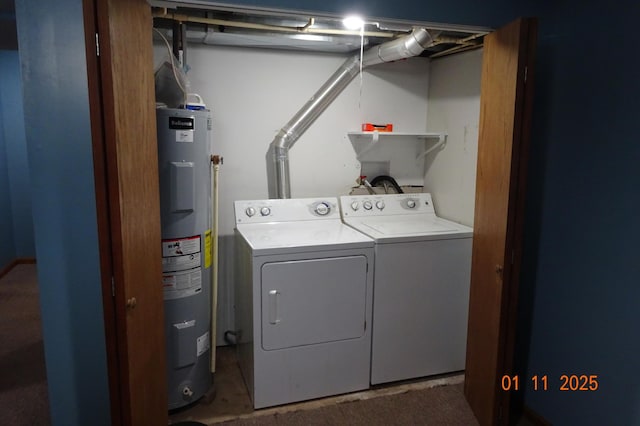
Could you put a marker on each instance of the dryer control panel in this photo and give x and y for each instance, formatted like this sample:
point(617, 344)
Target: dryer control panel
point(386, 205)
point(286, 210)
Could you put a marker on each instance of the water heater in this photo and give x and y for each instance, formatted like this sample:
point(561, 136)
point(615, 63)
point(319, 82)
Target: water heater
point(184, 153)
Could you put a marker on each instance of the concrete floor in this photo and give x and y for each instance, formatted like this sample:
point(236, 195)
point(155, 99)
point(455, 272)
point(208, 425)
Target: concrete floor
point(232, 398)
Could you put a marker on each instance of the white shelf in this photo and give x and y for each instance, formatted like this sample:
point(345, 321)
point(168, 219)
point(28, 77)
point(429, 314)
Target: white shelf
point(364, 142)
point(403, 135)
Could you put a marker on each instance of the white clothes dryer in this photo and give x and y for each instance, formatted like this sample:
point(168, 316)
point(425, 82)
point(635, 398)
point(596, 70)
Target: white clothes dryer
point(303, 300)
point(421, 285)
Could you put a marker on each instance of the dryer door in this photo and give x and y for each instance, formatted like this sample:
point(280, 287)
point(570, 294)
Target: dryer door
point(306, 302)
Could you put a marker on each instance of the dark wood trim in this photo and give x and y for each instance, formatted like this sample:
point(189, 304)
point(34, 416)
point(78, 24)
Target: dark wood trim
point(15, 262)
point(101, 183)
point(534, 417)
point(128, 114)
point(518, 186)
point(113, 197)
point(499, 215)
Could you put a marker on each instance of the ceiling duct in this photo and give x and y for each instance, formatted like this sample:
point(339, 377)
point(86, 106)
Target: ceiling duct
point(216, 25)
point(273, 40)
point(278, 178)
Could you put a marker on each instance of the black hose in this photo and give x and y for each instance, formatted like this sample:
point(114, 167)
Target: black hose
point(389, 179)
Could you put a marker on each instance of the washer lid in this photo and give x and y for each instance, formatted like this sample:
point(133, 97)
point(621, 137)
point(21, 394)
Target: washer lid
point(410, 227)
point(301, 236)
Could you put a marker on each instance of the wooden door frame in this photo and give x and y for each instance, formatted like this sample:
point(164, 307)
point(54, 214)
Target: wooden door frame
point(506, 408)
point(123, 129)
point(105, 157)
point(515, 233)
point(101, 184)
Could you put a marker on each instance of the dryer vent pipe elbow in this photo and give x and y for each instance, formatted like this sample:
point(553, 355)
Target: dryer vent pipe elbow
point(406, 46)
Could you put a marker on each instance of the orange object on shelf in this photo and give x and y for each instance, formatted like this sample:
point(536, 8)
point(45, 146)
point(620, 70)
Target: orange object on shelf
point(369, 127)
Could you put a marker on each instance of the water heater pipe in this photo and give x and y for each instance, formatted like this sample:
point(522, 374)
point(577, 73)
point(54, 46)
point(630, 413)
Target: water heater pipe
point(216, 160)
point(278, 154)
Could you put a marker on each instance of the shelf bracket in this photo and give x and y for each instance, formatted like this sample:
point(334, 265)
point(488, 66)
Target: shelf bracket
point(375, 138)
point(442, 141)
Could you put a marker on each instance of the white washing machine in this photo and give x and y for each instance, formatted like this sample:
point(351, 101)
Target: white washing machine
point(303, 300)
point(421, 285)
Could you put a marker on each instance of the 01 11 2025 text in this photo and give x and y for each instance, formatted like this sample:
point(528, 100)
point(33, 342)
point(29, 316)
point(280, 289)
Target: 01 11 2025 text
point(566, 382)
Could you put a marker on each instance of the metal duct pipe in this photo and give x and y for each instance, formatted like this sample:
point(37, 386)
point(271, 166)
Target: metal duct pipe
point(404, 47)
point(278, 154)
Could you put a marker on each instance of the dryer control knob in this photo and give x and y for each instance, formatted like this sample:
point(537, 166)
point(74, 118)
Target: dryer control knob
point(355, 206)
point(323, 209)
point(367, 205)
point(250, 211)
point(265, 211)
point(411, 204)
point(380, 205)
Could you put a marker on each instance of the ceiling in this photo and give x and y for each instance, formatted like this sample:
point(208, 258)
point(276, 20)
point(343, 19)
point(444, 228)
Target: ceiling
point(287, 30)
point(300, 31)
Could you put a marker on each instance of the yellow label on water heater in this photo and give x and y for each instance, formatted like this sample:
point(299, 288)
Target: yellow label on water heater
point(207, 248)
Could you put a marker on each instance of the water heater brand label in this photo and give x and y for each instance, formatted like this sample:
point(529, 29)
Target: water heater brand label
point(181, 123)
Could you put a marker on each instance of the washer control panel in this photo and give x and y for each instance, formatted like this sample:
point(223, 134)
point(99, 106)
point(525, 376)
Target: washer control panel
point(286, 210)
point(386, 204)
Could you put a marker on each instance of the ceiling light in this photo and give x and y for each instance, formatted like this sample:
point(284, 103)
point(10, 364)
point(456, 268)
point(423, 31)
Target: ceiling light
point(353, 22)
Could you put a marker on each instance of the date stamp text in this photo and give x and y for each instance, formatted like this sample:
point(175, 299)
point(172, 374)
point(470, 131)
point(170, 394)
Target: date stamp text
point(566, 382)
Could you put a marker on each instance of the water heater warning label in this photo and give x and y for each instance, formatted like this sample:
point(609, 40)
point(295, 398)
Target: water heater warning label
point(181, 267)
point(180, 263)
point(202, 344)
point(181, 246)
point(182, 284)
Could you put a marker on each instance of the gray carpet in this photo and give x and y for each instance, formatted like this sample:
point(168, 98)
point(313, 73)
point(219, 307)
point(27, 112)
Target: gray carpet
point(23, 383)
point(23, 387)
point(442, 406)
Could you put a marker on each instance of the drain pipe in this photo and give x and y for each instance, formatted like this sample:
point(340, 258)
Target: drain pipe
point(278, 154)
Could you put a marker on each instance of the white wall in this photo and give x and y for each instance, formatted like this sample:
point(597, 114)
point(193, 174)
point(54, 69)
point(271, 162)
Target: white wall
point(252, 93)
point(454, 107)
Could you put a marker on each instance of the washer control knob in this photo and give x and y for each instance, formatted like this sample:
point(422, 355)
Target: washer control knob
point(323, 209)
point(355, 206)
point(411, 204)
point(250, 211)
point(265, 211)
point(367, 205)
point(380, 204)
